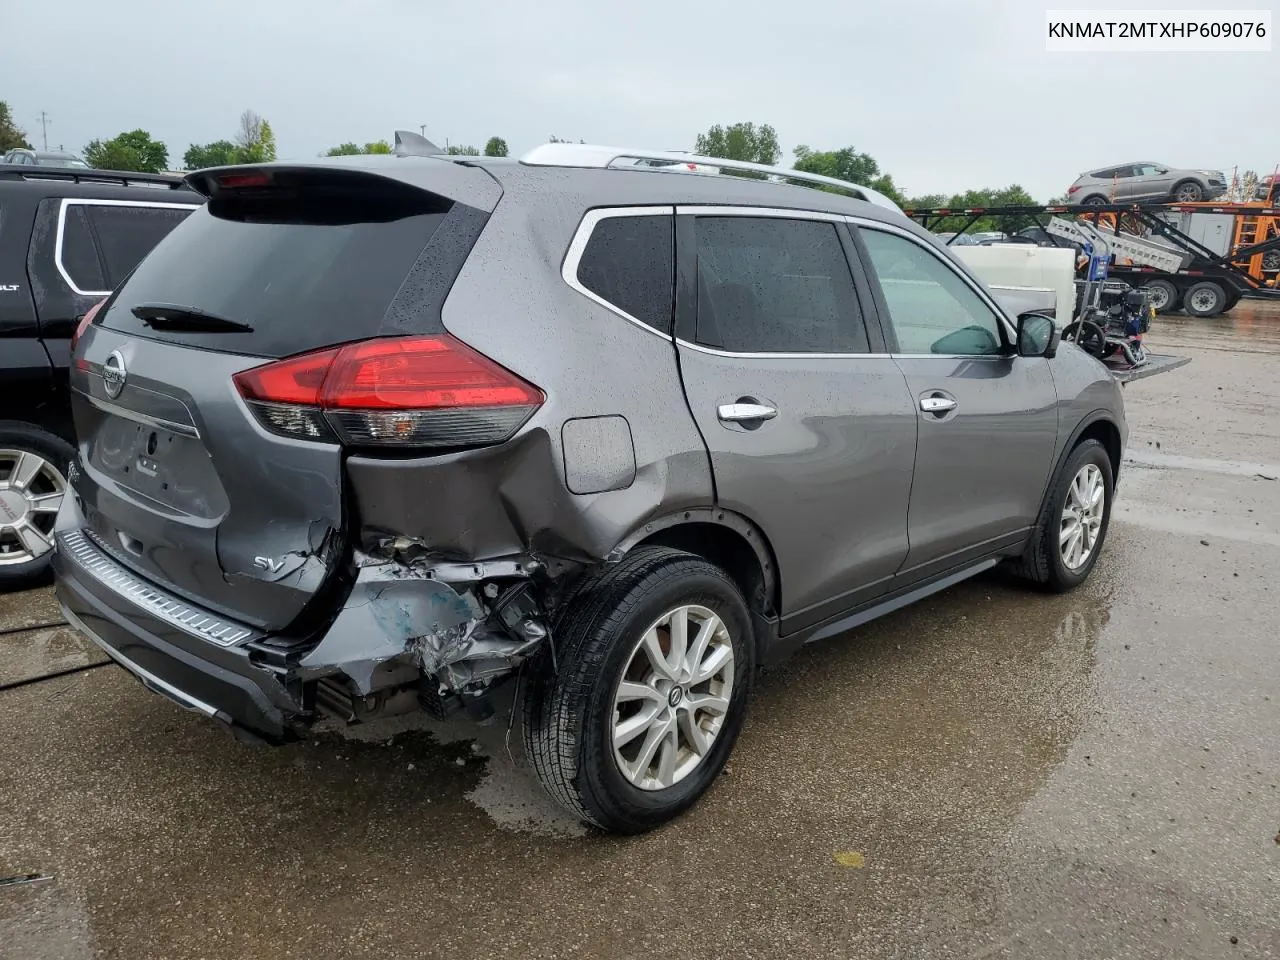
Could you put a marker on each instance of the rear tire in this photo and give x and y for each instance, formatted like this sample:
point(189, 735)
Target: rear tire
point(1048, 559)
point(1162, 295)
point(1204, 299)
point(33, 469)
point(577, 715)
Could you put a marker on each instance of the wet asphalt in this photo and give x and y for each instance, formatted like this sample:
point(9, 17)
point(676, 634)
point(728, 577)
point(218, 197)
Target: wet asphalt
point(991, 773)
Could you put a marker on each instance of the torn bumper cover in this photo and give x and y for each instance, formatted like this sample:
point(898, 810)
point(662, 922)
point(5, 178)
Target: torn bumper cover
point(403, 623)
point(463, 624)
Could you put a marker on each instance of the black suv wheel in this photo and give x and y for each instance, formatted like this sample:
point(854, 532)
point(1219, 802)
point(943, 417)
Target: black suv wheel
point(33, 480)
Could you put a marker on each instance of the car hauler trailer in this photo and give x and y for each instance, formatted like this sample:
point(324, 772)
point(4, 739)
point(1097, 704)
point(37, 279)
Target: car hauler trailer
point(1200, 257)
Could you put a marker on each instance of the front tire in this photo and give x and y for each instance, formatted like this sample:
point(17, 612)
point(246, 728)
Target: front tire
point(635, 716)
point(1188, 191)
point(1073, 523)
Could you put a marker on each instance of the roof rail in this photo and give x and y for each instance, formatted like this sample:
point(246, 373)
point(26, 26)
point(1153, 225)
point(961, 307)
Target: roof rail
point(81, 175)
point(593, 155)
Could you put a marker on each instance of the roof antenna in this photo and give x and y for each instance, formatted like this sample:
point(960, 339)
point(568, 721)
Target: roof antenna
point(410, 144)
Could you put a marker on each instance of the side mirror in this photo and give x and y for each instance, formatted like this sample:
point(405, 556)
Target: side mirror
point(1038, 336)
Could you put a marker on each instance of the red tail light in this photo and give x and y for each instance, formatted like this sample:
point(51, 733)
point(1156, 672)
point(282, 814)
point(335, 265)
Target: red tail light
point(83, 325)
point(1072, 189)
point(400, 391)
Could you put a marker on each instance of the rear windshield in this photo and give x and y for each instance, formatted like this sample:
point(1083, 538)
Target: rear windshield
point(303, 275)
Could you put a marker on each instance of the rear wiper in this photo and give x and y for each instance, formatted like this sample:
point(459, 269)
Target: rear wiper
point(173, 316)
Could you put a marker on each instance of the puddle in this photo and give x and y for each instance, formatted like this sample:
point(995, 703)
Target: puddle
point(28, 608)
point(32, 654)
point(508, 792)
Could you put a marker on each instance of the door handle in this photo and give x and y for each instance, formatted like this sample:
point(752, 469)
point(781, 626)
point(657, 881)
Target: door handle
point(937, 404)
point(738, 412)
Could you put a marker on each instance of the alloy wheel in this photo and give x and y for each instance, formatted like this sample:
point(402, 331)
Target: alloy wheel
point(1082, 517)
point(31, 491)
point(672, 699)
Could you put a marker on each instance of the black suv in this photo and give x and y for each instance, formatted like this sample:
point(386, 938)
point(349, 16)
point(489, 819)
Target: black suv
point(67, 238)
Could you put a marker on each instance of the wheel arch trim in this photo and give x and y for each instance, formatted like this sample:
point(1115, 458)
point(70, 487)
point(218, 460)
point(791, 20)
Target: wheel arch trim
point(730, 520)
point(1089, 420)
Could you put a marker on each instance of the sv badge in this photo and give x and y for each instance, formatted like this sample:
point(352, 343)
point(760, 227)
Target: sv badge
point(268, 564)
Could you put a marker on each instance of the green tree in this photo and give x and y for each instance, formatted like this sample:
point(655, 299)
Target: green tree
point(847, 164)
point(11, 137)
point(740, 141)
point(496, 147)
point(220, 153)
point(134, 150)
point(927, 201)
point(1011, 196)
point(255, 140)
point(462, 151)
point(351, 149)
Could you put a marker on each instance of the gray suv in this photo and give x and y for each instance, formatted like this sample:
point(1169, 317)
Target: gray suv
point(1131, 182)
point(376, 434)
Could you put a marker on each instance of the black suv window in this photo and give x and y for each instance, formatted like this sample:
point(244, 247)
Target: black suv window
point(127, 233)
point(102, 243)
point(628, 263)
point(773, 285)
point(79, 254)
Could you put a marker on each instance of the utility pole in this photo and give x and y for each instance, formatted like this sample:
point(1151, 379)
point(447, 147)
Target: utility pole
point(44, 129)
point(422, 128)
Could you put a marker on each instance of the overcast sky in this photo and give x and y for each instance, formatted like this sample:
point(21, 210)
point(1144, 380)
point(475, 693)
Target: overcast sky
point(945, 95)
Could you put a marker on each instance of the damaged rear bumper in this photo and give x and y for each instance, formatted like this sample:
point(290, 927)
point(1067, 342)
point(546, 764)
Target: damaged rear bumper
point(198, 674)
point(437, 630)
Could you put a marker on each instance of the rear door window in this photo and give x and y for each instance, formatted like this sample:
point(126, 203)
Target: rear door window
point(629, 263)
point(775, 285)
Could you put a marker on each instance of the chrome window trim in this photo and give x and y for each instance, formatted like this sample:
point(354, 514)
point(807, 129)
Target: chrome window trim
point(740, 355)
point(777, 213)
point(578, 246)
point(62, 226)
point(864, 223)
point(100, 565)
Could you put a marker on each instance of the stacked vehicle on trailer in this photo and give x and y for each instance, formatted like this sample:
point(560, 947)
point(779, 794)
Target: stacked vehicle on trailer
point(1202, 258)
